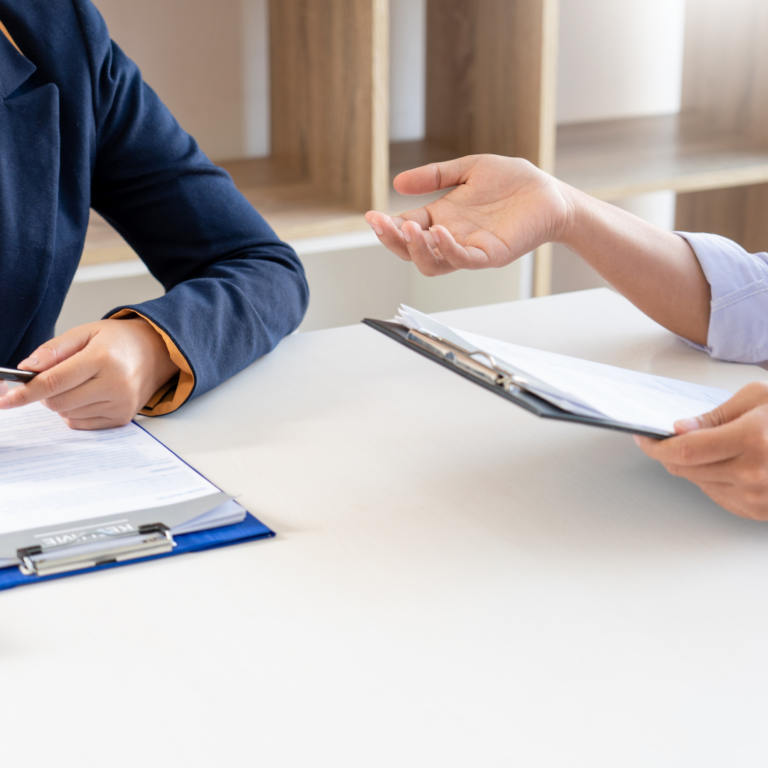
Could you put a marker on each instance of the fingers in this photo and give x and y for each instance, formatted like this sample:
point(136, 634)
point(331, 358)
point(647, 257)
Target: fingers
point(57, 350)
point(102, 385)
point(93, 392)
point(744, 400)
point(729, 462)
point(389, 234)
point(389, 228)
point(433, 177)
point(428, 260)
point(95, 398)
point(95, 423)
point(52, 383)
point(405, 236)
point(702, 446)
point(751, 505)
point(724, 472)
point(458, 256)
point(722, 494)
point(3, 387)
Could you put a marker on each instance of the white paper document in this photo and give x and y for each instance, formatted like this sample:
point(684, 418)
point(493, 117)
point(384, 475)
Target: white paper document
point(585, 388)
point(52, 476)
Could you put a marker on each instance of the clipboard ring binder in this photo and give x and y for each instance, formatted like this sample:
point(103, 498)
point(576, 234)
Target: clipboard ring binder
point(150, 540)
point(494, 373)
point(512, 384)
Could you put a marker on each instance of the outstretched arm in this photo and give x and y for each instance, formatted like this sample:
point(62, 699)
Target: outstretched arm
point(502, 208)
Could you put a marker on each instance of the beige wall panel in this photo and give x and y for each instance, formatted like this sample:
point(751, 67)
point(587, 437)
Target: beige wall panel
point(190, 52)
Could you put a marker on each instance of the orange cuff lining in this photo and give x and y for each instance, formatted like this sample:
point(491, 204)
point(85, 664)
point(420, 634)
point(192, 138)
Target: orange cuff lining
point(174, 393)
point(7, 34)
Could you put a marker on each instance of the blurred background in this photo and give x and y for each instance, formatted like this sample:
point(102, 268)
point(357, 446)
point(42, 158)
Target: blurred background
point(314, 105)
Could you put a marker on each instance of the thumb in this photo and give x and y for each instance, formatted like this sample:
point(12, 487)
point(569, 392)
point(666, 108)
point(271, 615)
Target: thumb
point(744, 400)
point(59, 349)
point(433, 177)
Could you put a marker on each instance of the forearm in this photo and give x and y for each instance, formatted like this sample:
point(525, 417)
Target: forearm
point(656, 270)
point(224, 319)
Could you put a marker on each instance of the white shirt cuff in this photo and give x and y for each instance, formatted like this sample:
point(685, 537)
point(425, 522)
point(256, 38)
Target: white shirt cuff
point(738, 326)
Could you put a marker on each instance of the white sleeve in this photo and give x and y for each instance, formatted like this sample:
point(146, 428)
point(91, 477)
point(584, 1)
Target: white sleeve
point(738, 325)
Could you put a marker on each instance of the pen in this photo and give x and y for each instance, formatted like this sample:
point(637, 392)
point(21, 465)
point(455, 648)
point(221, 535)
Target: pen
point(12, 374)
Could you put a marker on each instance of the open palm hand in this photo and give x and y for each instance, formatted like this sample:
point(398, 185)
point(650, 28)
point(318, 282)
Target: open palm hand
point(500, 209)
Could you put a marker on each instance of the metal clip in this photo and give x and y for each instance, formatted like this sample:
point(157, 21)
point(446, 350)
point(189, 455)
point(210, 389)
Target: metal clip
point(465, 359)
point(83, 552)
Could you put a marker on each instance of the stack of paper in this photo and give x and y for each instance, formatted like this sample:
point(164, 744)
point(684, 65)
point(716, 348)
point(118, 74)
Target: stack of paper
point(58, 485)
point(581, 387)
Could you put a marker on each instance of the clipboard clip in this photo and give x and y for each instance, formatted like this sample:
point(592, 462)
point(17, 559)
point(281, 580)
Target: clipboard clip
point(88, 550)
point(464, 359)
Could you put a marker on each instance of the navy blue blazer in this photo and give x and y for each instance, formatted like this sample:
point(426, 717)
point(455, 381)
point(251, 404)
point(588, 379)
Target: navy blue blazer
point(80, 129)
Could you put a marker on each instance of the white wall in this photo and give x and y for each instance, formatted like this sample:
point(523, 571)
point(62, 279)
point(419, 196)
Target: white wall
point(255, 63)
point(407, 69)
point(209, 62)
point(619, 58)
point(189, 52)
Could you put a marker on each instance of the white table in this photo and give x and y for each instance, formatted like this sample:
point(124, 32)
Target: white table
point(454, 582)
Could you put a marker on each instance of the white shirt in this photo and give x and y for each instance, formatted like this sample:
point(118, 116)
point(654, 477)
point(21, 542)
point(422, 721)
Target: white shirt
point(738, 325)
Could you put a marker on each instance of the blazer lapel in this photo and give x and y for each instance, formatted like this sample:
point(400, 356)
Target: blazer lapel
point(29, 188)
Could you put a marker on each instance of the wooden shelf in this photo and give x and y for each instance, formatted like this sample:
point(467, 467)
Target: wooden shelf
point(620, 158)
point(329, 96)
point(490, 88)
point(609, 160)
point(295, 208)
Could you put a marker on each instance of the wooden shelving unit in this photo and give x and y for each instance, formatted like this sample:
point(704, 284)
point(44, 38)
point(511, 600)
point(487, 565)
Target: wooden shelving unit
point(490, 88)
point(714, 154)
point(620, 158)
point(491, 84)
point(725, 84)
point(328, 112)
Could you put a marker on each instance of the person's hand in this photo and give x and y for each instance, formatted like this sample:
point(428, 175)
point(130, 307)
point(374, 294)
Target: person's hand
point(724, 452)
point(98, 375)
point(501, 209)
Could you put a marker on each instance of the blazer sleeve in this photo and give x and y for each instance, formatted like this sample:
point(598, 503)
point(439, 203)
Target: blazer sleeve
point(233, 288)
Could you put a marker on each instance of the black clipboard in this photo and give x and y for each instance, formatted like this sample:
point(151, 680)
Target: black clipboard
point(495, 380)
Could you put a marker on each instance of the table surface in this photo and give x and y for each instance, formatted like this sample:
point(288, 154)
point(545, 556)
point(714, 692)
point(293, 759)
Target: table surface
point(453, 582)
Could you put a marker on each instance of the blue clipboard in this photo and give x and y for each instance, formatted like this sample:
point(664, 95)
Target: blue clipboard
point(249, 529)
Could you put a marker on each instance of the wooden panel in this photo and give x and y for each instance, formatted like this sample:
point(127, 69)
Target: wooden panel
point(542, 265)
point(491, 84)
point(329, 95)
point(739, 214)
point(485, 70)
point(613, 159)
point(725, 74)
